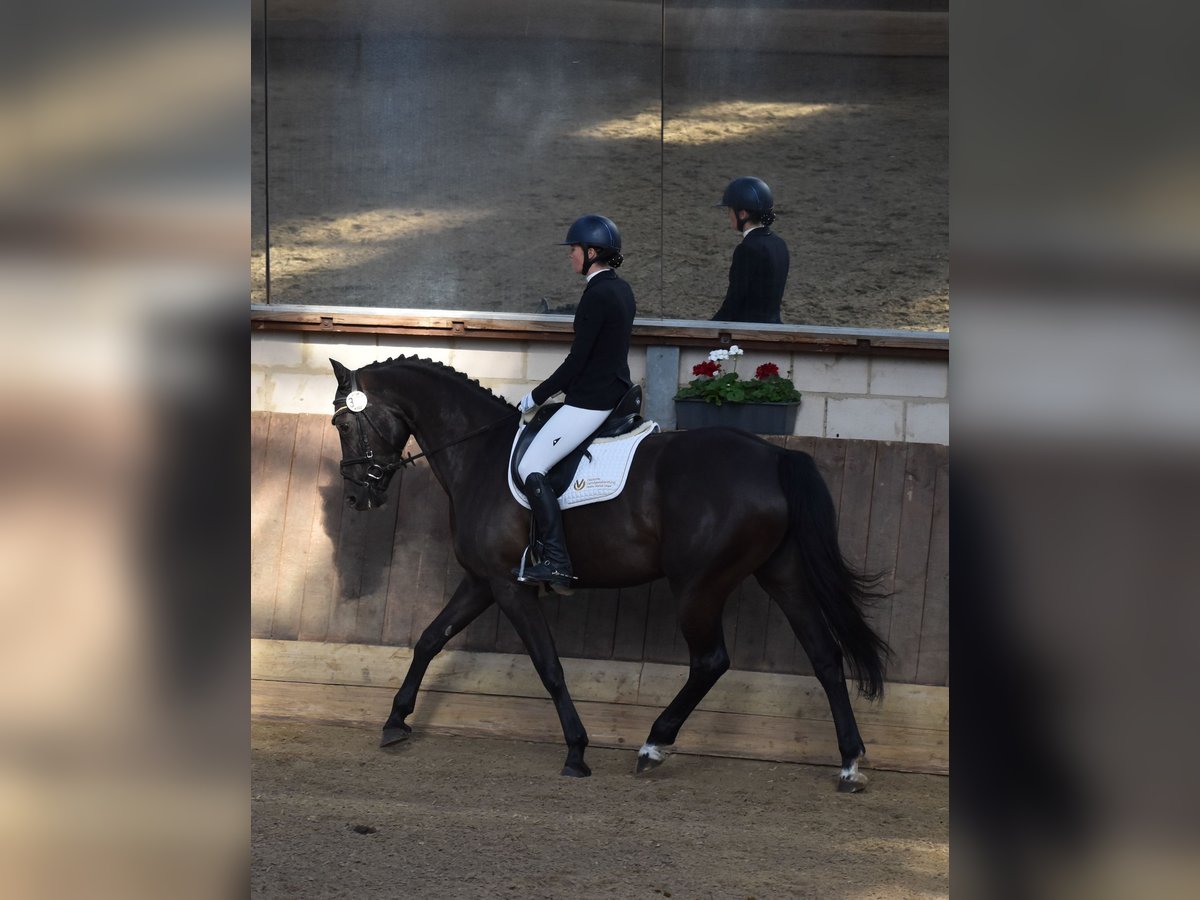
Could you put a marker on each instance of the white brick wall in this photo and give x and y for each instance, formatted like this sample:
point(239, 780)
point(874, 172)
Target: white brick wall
point(843, 396)
point(927, 423)
point(830, 374)
point(908, 378)
point(865, 418)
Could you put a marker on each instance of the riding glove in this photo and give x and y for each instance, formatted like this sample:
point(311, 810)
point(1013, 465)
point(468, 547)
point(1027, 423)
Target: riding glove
point(526, 403)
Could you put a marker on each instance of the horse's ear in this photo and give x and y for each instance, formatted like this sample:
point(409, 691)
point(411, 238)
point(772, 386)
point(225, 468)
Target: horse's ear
point(342, 373)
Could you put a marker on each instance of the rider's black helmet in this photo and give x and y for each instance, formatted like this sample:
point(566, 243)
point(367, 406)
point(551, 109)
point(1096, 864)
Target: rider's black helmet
point(751, 194)
point(599, 233)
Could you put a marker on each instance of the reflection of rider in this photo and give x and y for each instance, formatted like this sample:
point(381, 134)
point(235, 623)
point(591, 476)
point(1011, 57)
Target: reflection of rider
point(594, 377)
point(759, 269)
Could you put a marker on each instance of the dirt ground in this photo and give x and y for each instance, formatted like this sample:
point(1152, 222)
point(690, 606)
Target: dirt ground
point(333, 816)
point(392, 179)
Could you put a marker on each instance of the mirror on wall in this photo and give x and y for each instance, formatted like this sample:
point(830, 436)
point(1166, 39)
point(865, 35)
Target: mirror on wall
point(854, 145)
point(258, 145)
point(431, 156)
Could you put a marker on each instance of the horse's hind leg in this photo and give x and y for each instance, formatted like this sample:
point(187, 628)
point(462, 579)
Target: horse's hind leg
point(826, 657)
point(471, 598)
point(700, 621)
point(521, 606)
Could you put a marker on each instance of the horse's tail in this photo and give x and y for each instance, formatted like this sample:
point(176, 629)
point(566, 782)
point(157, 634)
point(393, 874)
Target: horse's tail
point(840, 592)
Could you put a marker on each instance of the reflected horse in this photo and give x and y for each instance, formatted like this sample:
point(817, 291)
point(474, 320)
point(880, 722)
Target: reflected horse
point(703, 509)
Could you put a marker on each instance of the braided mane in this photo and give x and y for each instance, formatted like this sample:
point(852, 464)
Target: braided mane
point(391, 362)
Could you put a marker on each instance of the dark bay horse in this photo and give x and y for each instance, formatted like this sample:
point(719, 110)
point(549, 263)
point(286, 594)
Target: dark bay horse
point(703, 508)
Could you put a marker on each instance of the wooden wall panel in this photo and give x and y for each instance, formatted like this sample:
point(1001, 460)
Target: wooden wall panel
point(883, 531)
point(324, 572)
point(933, 664)
point(269, 497)
point(301, 505)
point(912, 560)
point(320, 576)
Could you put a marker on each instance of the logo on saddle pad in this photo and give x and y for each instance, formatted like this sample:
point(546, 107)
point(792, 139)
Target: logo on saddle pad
point(580, 484)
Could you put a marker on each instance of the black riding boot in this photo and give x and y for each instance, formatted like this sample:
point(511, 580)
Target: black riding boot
point(554, 568)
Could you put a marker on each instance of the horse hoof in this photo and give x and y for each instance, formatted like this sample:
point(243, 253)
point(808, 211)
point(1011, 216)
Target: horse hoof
point(396, 735)
point(646, 764)
point(576, 770)
point(851, 786)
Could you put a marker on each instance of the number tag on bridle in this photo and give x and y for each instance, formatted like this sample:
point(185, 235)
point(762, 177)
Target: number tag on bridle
point(356, 401)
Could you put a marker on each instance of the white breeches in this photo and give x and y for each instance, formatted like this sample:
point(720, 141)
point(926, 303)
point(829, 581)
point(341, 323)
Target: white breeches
point(562, 433)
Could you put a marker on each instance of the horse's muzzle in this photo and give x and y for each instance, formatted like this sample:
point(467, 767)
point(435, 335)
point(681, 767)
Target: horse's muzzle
point(366, 498)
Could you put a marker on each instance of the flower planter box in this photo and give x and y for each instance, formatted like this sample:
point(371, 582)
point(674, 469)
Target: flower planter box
point(757, 418)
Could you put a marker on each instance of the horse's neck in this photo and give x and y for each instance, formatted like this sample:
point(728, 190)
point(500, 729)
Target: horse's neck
point(446, 417)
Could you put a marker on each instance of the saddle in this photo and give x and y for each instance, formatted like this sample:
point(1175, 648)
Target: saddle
point(626, 417)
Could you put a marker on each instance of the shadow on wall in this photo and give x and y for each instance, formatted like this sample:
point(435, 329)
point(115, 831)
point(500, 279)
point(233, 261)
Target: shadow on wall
point(362, 554)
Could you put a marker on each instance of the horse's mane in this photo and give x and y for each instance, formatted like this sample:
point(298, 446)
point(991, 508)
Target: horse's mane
point(433, 365)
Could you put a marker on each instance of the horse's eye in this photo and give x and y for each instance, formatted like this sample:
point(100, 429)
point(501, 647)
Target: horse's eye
point(344, 427)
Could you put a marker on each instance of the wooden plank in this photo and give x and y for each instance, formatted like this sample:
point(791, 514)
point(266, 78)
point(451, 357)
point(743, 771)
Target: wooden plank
point(912, 558)
point(781, 647)
point(749, 647)
point(452, 671)
point(397, 617)
point(933, 663)
point(267, 521)
point(301, 508)
point(608, 725)
point(348, 567)
point(609, 681)
point(662, 626)
point(600, 631)
point(883, 536)
point(259, 424)
point(262, 487)
point(510, 326)
point(506, 636)
point(781, 650)
point(407, 546)
point(483, 633)
point(571, 624)
point(830, 457)
point(629, 639)
point(798, 696)
point(377, 569)
point(424, 520)
point(857, 487)
point(320, 574)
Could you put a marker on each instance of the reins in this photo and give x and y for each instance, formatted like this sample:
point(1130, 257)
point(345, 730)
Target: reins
point(411, 460)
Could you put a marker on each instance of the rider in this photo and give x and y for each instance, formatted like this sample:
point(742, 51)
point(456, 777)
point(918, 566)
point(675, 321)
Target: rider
point(759, 269)
point(594, 377)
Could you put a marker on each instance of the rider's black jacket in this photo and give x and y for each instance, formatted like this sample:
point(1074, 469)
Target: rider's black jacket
point(757, 277)
point(595, 374)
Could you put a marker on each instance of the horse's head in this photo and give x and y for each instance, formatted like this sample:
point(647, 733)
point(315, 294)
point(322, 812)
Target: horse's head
point(373, 438)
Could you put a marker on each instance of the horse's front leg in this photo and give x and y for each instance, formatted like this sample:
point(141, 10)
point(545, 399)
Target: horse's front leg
point(472, 596)
point(521, 606)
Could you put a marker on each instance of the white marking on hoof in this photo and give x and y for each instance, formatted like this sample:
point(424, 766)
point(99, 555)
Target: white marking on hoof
point(851, 773)
point(653, 751)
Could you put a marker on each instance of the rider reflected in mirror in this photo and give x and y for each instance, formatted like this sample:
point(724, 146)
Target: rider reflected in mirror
point(759, 271)
point(594, 377)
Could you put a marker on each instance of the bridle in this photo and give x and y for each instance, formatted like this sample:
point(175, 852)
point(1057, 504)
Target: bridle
point(378, 473)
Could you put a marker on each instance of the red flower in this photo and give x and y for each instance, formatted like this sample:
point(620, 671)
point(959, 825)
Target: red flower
point(708, 367)
point(765, 371)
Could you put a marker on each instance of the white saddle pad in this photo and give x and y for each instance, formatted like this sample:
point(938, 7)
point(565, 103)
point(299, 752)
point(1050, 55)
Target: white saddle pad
point(600, 478)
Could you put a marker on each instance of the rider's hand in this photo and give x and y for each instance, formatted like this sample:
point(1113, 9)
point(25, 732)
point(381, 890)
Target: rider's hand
point(526, 403)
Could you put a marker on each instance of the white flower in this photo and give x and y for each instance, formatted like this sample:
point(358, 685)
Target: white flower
point(719, 355)
point(735, 350)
